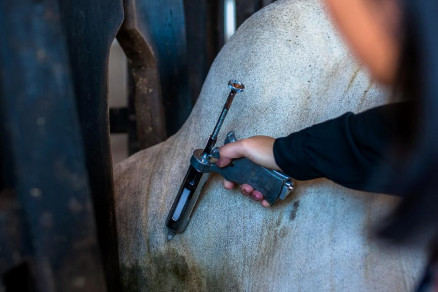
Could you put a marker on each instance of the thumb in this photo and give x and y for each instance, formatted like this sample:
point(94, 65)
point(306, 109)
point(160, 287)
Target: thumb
point(230, 151)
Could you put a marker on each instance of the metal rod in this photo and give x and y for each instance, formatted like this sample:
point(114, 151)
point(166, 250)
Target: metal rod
point(235, 87)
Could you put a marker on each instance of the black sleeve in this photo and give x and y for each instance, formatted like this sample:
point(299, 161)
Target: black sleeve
point(347, 150)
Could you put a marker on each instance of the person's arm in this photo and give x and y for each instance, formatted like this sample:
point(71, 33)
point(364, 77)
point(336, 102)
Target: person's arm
point(350, 150)
point(347, 150)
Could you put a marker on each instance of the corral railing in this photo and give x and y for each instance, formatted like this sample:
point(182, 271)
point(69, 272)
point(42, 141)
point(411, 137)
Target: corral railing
point(57, 220)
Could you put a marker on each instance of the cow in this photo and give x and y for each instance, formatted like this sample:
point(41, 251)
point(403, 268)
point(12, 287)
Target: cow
point(297, 72)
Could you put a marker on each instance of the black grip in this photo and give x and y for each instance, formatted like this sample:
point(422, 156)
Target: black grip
point(244, 171)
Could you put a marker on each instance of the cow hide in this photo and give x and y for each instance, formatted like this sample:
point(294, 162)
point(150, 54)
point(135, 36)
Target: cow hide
point(297, 72)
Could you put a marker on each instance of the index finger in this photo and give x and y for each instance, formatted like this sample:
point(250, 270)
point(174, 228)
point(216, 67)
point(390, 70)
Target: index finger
point(230, 151)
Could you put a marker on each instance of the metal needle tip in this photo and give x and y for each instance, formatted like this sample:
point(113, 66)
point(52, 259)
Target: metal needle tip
point(170, 235)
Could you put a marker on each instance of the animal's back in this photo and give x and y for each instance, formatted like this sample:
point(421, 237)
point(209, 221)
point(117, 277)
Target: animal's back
point(297, 72)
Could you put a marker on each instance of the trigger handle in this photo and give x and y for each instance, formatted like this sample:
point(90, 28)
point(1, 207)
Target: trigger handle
point(231, 138)
point(272, 184)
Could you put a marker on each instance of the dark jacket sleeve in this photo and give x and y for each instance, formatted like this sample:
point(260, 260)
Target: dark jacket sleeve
point(347, 150)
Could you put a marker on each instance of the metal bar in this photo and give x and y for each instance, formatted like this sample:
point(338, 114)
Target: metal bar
point(119, 120)
point(46, 154)
point(154, 40)
point(90, 28)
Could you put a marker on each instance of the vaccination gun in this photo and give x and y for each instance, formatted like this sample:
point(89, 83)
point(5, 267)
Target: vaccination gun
point(273, 184)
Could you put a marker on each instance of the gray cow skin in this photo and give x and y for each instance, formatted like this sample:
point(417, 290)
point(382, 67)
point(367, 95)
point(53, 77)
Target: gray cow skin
point(297, 72)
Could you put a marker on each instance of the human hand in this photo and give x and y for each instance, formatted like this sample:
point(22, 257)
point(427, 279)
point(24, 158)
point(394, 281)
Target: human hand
point(258, 149)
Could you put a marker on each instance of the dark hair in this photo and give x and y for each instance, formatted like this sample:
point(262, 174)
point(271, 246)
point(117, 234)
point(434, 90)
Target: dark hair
point(417, 156)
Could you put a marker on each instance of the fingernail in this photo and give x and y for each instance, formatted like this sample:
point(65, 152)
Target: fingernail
point(257, 196)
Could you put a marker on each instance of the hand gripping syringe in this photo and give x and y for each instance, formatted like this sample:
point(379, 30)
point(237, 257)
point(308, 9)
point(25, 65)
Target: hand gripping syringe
point(272, 184)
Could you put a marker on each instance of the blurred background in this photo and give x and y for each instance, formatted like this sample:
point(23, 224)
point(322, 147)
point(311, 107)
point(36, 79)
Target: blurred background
point(83, 85)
